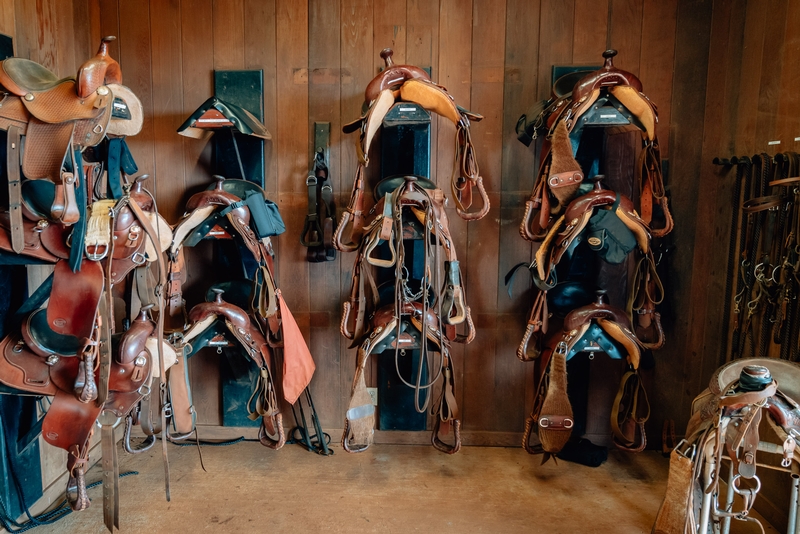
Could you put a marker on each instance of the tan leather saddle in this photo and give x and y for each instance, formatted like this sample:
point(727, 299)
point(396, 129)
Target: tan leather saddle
point(607, 92)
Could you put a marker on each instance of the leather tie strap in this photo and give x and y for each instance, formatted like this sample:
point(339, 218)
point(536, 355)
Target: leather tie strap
point(14, 188)
point(311, 235)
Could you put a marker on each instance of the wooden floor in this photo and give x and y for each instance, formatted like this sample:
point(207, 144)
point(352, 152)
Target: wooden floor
point(389, 488)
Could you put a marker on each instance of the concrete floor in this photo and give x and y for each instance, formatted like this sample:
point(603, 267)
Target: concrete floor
point(389, 488)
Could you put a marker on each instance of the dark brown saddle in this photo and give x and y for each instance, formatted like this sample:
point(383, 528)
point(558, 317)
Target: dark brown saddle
point(44, 362)
point(596, 327)
point(604, 98)
point(264, 400)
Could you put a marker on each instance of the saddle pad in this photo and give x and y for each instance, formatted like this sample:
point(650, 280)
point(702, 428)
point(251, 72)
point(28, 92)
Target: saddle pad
point(46, 146)
point(75, 298)
point(22, 369)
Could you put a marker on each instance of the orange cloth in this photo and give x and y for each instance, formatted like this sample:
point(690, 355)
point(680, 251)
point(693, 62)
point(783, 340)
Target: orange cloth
point(298, 364)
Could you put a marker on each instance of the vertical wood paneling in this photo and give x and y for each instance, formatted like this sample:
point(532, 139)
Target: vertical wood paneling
point(389, 30)
point(165, 34)
point(228, 34)
point(196, 48)
point(26, 28)
point(752, 54)
point(260, 53)
point(46, 42)
point(292, 150)
point(422, 44)
point(626, 33)
point(788, 120)
point(134, 55)
point(657, 58)
point(772, 60)
point(8, 19)
point(591, 31)
point(481, 267)
point(85, 25)
point(317, 57)
point(555, 41)
point(691, 60)
point(324, 66)
point(455, 73)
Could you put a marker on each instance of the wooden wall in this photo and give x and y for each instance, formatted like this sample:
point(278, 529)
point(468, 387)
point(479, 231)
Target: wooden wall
point(751, 102)
point(59, 34)
point(493, 56)
point(722, 72)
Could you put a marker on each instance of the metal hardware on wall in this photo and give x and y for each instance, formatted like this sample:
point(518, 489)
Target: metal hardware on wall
point(320, 221)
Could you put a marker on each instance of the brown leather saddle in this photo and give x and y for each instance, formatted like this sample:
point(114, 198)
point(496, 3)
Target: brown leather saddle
point(388, 330)
point(609, 97)
point(725, 424)
point(239, 325)
point(406, 83)
point(56, 116)
point(409, 208)
point(44, 362)
point(259, 322)
point(596, 327)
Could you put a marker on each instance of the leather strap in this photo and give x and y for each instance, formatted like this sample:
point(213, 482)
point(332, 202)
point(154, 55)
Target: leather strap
point(14, 188)
point(629, 413)
point(110, 463)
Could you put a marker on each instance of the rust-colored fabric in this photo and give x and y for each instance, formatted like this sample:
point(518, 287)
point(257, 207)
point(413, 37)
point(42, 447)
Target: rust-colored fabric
point(298, 365)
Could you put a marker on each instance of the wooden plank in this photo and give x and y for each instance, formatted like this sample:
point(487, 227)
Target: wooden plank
point(591, 31)
point(772, 63)
point(422, 45)
point(135, 53)
point(357, 54)
point(625, 33)
point(480, 258)
point(555, 41)
point(657, 59)
point(788, 119)
point(64, 37)
point(455, 73)
point(168, 109)
point(198, 85)
point(107, 14)
point(691, 60)
point(324, 65)
point(26, 35)
point(389, 30)
point(47, 44)
point(83, 18)
point(8, 19)
point(228, 34)
point(260, 53)
point(755, 29)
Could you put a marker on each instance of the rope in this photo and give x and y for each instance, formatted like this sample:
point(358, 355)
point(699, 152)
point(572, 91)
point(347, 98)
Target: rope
point(45, 518)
